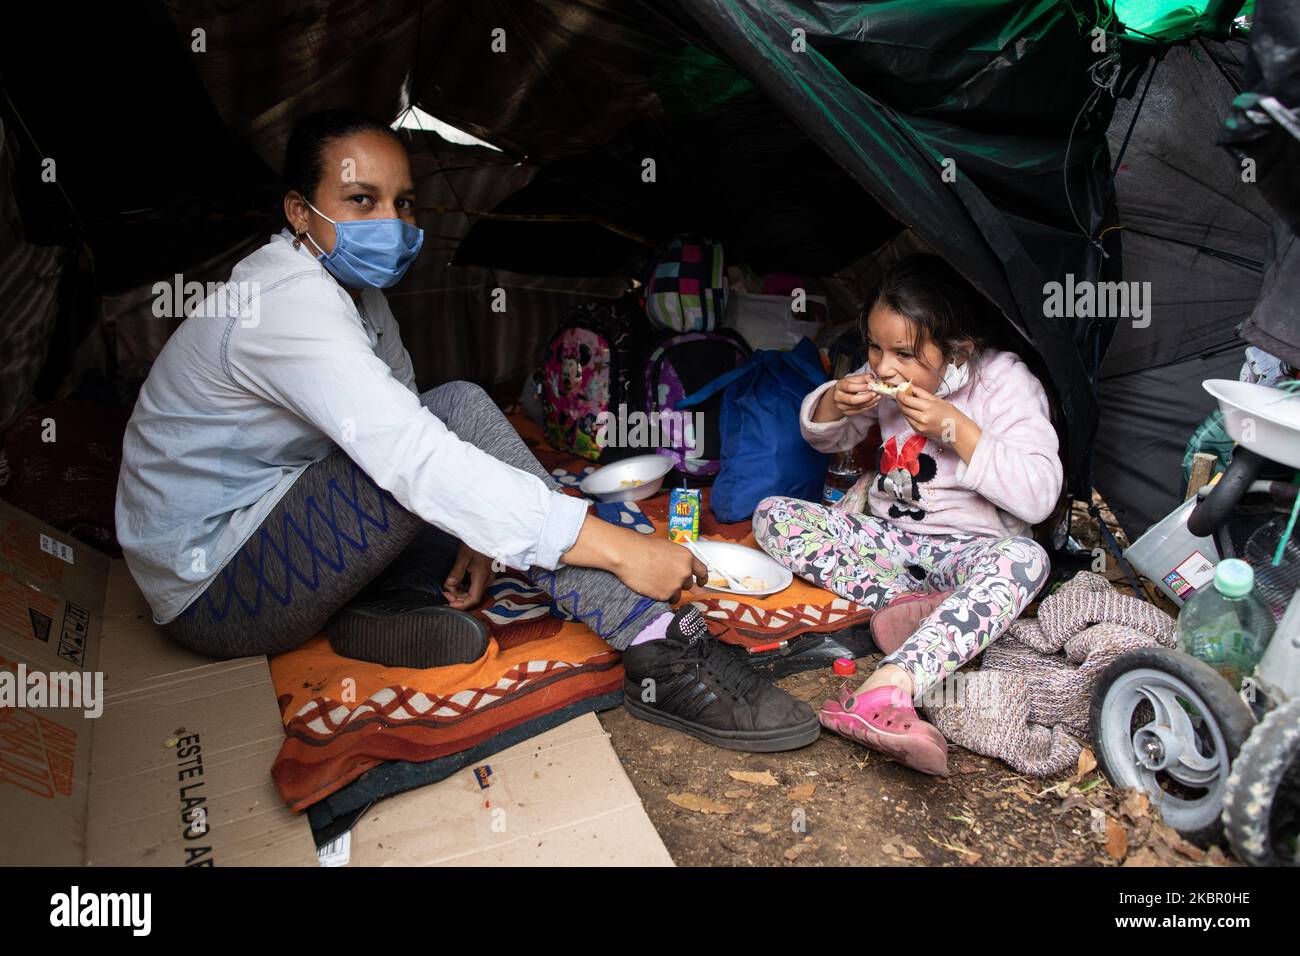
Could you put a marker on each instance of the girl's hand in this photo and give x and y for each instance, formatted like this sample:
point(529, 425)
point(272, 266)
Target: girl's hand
point(852, 396)
point(478, 568)
point(939, 419)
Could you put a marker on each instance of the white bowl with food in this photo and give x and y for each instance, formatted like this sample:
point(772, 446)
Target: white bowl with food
point(758, 574)
point(628, 480)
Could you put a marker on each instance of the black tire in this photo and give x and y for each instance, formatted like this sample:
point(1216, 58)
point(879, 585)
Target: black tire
point(1262, 804)
point(1232, 717)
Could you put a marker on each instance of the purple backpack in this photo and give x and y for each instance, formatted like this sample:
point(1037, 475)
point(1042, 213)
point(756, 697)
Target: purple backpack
point(679, 366)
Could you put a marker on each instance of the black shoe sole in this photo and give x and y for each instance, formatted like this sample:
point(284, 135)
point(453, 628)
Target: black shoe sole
point(428, 637)
point(749, 741)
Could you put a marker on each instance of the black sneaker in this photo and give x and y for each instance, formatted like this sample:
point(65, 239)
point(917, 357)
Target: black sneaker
point(702, 687)
point(406, 627)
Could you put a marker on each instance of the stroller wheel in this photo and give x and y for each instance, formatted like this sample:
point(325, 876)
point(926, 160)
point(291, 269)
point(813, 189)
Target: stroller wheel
point(1261, 809)
point(1169, 725)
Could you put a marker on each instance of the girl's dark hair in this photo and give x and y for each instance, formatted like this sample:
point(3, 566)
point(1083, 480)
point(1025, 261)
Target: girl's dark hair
point(938, 303)
point(304, 159)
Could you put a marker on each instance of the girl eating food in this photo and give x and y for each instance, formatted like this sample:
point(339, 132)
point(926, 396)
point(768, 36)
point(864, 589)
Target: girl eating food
point(968, 462)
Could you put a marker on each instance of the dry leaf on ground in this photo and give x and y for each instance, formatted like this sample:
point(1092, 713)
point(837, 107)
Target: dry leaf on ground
point(698, 803)
point(762, 778)
point(1116, 839)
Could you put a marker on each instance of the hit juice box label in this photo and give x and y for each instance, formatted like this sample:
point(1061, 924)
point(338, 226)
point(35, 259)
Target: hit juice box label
point(684, 514)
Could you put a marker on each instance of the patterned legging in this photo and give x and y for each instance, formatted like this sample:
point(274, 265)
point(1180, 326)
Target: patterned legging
point(335, 531)
point(870, 562)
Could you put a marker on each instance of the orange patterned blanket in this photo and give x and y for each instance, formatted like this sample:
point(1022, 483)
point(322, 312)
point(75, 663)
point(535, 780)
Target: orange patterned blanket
point(344, 717)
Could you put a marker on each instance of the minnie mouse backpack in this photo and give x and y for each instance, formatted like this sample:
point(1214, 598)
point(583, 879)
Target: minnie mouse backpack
point(591, 367)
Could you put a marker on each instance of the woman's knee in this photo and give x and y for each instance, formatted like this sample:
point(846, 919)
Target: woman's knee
point(470, 392)
point(441, 399)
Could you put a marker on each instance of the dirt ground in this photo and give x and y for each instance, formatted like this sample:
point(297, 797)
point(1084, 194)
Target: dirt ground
point(837, 803)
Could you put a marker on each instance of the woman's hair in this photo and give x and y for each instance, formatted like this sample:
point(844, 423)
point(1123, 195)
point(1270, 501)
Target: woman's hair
point(937, 302)
point(304, 159)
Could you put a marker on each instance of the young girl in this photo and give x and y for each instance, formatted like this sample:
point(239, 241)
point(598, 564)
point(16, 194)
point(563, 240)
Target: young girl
point(968, 462)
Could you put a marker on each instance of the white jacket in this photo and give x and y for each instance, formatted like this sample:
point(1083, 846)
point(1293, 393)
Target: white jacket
point(242, 399)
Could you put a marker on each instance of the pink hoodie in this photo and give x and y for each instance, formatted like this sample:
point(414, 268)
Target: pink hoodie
point(1014, 477)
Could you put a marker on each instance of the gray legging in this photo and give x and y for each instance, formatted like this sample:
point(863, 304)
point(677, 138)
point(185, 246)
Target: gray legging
point(335, 532)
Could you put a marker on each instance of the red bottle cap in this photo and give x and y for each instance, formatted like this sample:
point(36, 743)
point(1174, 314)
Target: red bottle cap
point(845, 666)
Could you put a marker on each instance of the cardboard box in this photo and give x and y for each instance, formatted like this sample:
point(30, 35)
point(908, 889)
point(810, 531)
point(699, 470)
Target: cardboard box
point(559, 799)
point(175, 771)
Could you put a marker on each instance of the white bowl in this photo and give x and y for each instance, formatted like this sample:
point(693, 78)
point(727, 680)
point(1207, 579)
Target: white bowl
point(1265, 420)
point(647, 471)
point(740, 561)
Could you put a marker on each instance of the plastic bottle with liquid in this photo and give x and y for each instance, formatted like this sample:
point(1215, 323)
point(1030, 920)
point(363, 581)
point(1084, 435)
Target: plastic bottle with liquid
point(843, 471)
point(1228, 625)
point(841, 475)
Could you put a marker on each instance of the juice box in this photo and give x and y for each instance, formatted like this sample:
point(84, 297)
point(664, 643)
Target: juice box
point(684, 514)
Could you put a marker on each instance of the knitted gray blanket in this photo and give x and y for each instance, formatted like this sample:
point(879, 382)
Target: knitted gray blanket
point(1033, 689)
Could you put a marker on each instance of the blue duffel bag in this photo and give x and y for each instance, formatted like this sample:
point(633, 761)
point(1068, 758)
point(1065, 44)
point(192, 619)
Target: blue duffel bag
point(763, 451)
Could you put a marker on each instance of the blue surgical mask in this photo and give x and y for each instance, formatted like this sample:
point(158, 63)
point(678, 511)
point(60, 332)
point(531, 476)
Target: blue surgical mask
point(370, 252)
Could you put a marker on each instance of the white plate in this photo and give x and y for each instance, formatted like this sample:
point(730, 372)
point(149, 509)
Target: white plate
point(1265, 420)
point(607, 483)
point(739, 561)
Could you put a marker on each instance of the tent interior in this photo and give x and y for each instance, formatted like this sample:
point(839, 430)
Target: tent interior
point(554, 162)
point(557, 146)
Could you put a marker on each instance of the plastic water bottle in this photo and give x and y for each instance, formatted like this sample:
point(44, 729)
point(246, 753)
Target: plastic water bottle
point(1228, 626)
point(843, 470)
point(841, 475)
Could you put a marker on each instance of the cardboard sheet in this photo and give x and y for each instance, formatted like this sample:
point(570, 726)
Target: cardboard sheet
point(174, 771)
point(559, 799)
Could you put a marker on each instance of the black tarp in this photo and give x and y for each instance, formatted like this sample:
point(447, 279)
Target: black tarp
point(1198, 234)
point(1254, 134)
point(886, 90)
point(1215, 240)
point(802, 161)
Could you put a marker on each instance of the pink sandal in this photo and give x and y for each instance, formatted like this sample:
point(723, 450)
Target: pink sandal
point(898, 620)
point(884, 719)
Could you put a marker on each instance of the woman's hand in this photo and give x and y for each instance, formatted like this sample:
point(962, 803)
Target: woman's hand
point(852, 396)
point(939, 419)
point(650, 566)
point(478, 568)
point(660, 569)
